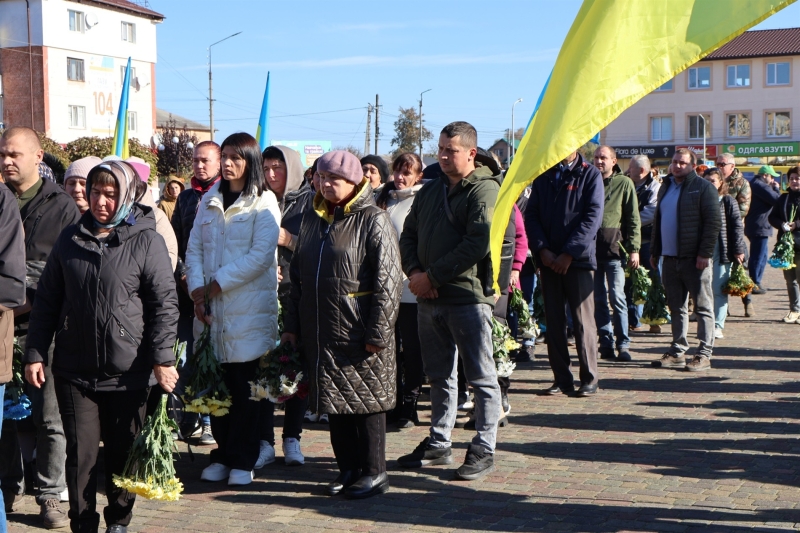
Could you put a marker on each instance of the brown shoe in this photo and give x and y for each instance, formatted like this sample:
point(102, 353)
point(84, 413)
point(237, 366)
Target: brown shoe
point(655, 328)
point(698, 364)
point(669, 361)
point(53, 516)
point(749, 310)
point(638, 328)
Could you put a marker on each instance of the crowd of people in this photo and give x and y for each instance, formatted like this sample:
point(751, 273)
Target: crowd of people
point(382, 276)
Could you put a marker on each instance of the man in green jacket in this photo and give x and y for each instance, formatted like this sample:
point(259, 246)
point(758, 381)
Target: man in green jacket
point(619, 232)
point(445, 252)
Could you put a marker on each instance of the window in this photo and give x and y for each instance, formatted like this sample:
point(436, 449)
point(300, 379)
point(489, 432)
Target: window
point(699, 126)
point(76, 21)
point(132, 126)
point(666, 87)
point(700, 78)
point(122, 75)
point(77, 117)
point(129, 32)
point(75, 69)
point(778, 73)
point(738, 75)
point(738, 124)
point(778, 124)
point(660, 128)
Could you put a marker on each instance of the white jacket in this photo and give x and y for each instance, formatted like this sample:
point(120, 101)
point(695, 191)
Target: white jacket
point(398, 206)
point(237, 248)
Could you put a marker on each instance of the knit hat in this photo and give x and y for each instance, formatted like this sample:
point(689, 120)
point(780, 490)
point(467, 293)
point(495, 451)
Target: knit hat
point(81, 167)
point(380, 163)
point(342, 163)
point(141, 166)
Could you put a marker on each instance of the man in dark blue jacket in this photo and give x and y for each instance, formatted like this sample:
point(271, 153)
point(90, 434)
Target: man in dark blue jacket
point(756, 226)
point(562, 218)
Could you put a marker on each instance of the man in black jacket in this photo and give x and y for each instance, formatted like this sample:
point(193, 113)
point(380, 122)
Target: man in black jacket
point(756, 224)
point(205, 163)
point(685, 232)
point(12, 295)
point(45, 210)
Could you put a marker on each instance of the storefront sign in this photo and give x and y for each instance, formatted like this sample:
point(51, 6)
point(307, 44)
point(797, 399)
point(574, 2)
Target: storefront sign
point(764, 149)
point(653, 152)
point(711, 150)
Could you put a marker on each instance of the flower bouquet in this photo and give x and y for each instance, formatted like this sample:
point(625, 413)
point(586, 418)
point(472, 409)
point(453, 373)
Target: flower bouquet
point(280, 376)
point(206, 392)
point(16, 405)
point(655, 306)
point(525, 322)
point(149, 470)
point(640, 284)
point(783, 254)
point(739, 283)
point(502, 344)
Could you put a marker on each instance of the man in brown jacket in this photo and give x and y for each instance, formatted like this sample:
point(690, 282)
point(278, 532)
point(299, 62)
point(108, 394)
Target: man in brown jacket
point(12, 292)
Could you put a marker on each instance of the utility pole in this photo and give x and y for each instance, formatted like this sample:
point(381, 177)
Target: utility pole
point(420, 122)
point(377, 124)
point(369, 123)
point(210, 86)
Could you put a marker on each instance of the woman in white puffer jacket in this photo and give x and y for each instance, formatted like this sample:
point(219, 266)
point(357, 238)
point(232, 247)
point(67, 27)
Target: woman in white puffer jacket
point(232, 256)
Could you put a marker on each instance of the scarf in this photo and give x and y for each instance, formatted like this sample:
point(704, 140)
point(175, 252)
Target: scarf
point(126, 183)
point(202, 187)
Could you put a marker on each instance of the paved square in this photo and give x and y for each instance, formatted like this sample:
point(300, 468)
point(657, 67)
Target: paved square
point(655, 450)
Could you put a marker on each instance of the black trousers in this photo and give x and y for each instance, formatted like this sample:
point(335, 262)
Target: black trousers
point(237, 433)
point(294, 410)
point(359, 441)
point(411, 356)
point(88, 416)
point(576, 288)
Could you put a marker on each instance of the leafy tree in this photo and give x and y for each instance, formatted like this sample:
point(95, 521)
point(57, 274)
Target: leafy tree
point(406, 131)
point(587, 151)
point(101, 147)
point(352, 149)
point(517, 134)
point(54, 155)
point(175, 159)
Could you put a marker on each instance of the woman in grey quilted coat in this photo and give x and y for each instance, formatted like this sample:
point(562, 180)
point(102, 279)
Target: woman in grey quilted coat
point(346, 286)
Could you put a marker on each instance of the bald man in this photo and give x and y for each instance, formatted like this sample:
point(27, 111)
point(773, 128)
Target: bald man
point(45, 210)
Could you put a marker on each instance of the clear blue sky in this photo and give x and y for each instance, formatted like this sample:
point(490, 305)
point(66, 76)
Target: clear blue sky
point(477, 57)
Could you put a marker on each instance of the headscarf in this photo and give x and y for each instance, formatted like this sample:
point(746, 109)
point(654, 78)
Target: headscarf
point(126, 178)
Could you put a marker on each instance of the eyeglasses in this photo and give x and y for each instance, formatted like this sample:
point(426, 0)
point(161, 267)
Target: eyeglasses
point(724, 164)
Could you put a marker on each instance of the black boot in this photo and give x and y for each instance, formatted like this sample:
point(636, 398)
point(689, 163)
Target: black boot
point(408, 413)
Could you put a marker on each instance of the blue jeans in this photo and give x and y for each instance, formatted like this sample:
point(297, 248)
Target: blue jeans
point(635, 311)
point(759, 253)
point(722, 272)
point(2, 501)
point(609, 286)
point(447, 332)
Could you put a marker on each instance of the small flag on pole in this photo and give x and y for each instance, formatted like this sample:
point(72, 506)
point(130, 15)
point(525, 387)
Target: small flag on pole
point(121, 129)
point(262, 133)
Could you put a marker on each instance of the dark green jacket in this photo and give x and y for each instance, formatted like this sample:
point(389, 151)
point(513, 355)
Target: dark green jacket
point(455, 263)
point(620, 218)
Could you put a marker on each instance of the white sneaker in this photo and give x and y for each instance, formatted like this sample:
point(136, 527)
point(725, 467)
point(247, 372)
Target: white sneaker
point(793, 316)
point(323, 418)
point(240, 477)
point(718, 333)
point(466, 406)
point(266, 455)
point(310, 417)
point(215, 472)
point(291, 452)
point(64, 496)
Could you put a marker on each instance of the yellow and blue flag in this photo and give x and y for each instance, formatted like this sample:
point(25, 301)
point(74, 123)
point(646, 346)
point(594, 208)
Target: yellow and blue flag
point(262, 133)
point(616, 52)
point(120, 144)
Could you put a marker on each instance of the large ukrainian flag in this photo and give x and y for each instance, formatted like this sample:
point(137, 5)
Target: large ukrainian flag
point(616, 52)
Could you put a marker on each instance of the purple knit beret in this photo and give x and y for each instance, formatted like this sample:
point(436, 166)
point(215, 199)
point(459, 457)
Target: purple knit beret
point(342, 163)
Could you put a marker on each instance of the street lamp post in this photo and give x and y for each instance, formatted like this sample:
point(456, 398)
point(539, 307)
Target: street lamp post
point(176, 141)
point(513, 133)
point(210, 86)
point(704, 138)
point(420, 121)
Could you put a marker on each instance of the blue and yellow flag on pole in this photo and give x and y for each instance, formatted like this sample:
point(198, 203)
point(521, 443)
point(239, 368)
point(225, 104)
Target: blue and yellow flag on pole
point(616, 52)
point(262, 133)
point(120, 144)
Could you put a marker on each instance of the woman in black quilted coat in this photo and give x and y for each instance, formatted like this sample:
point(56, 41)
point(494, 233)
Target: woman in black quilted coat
point(346, 287)
point(108, 294)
